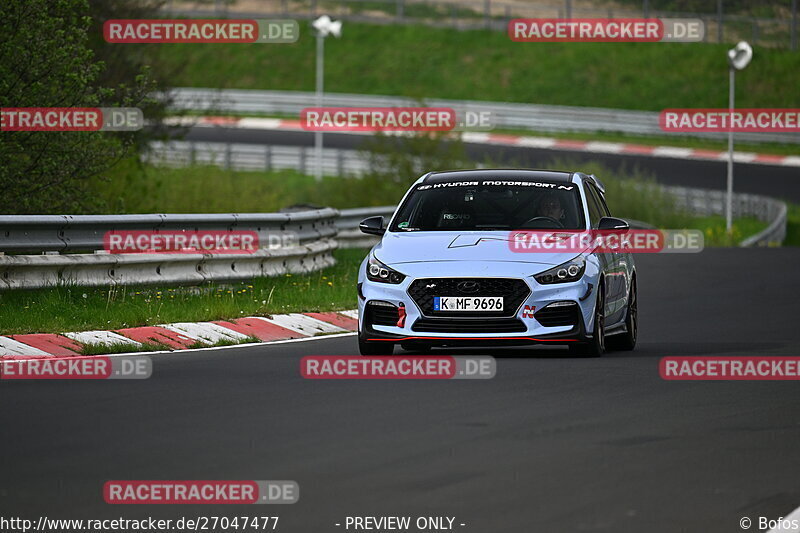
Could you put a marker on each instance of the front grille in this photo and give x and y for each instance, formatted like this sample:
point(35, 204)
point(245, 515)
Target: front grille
point(550, 316)
point(465, 325)
point(381, 315)
point(513, 291)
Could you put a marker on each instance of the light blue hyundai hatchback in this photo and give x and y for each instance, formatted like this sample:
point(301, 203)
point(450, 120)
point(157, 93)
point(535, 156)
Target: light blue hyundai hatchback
point(446, 271)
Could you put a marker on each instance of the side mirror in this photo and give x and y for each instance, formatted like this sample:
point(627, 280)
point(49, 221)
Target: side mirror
point(372, 226)
point(613, 224)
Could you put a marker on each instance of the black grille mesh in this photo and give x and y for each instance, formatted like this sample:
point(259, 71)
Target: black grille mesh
point(558, 316)
point(513, 291)
point(381, 315)
point(461, 325)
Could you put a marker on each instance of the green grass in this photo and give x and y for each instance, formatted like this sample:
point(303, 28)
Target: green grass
point(102, 348)
point(60, 309)
point(133, 188)
point(131, 347)
point(793, 226)
point(715, 232)
point(419, 61)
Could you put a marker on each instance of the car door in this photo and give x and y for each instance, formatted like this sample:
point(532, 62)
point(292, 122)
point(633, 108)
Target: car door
point(618, 271)
point(607, 260)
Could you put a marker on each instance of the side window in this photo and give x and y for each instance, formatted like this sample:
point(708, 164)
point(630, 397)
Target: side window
point(603, 205)
point(593, 204)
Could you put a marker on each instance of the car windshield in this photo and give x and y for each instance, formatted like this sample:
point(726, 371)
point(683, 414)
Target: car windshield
point(482, 205)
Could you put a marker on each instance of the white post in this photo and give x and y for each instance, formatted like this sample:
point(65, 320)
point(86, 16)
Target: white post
point(729, 196)
point(320, 86)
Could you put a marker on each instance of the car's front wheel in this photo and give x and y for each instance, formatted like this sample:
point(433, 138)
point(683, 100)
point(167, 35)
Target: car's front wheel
point(595, 346)
point(366, 347)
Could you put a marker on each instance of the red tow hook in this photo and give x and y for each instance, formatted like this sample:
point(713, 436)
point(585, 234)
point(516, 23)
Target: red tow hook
point(401, 316)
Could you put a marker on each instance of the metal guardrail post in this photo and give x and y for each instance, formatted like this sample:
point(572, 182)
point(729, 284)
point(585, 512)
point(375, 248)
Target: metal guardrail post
point(268, 158)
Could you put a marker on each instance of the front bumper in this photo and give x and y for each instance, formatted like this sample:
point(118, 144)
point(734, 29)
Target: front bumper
point(536, 321)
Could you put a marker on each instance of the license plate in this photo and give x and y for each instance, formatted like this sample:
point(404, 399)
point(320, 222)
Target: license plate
point(467, 303)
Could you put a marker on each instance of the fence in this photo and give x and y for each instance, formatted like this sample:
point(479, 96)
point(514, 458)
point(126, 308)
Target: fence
point(312, 241)
point(701, 202)
point(704, 202)
point(541, 118)
point(495, 14)
point(320, 232)
point(242, 156)
point(315, 234)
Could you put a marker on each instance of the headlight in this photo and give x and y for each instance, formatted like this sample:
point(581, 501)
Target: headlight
point(564, 273)
point(377, 271)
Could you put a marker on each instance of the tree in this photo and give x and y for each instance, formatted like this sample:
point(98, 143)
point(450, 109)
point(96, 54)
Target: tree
point(45, 61)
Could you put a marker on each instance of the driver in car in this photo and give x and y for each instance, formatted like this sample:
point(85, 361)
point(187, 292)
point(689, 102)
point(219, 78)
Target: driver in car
point(550, 206)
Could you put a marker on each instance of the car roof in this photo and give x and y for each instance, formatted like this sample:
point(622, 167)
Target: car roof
point(500, 174)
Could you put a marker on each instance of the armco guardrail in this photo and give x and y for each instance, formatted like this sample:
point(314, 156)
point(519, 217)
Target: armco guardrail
point(705, 202)
point(84, 233)
point(700, 202)
point(309, 246)
point(316, 230)
point(241, 156)
point(91, 270)
point(542, 118)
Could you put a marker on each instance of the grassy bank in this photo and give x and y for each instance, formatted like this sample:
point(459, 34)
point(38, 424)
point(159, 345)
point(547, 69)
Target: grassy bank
point(134, 188)
point(419, 61)
point(82, 308)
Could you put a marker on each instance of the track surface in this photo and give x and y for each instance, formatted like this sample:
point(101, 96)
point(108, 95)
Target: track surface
point(770, 180)
point(551, 444)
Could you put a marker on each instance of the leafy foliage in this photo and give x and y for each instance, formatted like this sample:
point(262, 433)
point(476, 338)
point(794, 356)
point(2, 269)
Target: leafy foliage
point(45, 61)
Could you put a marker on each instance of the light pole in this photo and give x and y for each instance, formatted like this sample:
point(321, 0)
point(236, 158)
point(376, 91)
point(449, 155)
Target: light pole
point(738, 58)
point(324, 26)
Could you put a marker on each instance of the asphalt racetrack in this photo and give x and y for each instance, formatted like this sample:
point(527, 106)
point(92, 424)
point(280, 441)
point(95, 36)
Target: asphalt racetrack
point(771, 180)
point(552, 443)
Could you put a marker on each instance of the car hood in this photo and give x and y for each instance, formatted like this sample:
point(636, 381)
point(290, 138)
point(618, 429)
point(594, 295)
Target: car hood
point(447, 246)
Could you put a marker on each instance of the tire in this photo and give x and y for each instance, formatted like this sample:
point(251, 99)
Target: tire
point(627, 341)
point(595, 346)
point(375, 348)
